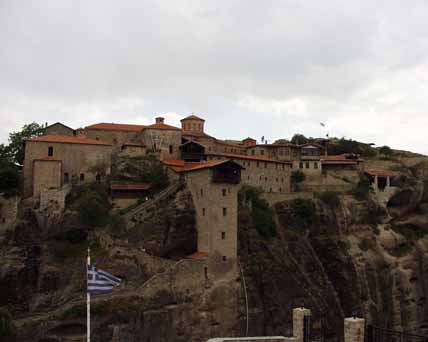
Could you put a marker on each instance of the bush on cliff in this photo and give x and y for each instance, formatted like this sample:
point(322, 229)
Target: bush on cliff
point(362, 189)
point(329, 198)
point(261, 212)
point(93, 208)
point(304, 212)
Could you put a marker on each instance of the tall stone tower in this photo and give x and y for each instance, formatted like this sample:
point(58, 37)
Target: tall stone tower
point(192, 124)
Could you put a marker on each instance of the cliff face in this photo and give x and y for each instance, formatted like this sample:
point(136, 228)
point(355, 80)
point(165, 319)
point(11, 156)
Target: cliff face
point(357, 256)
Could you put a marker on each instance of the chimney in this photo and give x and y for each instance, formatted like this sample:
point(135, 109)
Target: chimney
point(160, 120)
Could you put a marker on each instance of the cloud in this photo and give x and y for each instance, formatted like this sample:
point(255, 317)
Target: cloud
point(248, 69)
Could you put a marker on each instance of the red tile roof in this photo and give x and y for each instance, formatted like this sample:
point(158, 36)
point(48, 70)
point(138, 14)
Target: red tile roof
point(247, 157)
point(192, 117)
point(198, 166)
point(172, 162)
point(116, 127)
point(123, 185)
point(339, 159)
point(198, 255)
point(163, 126)
point(380, 173)
point(67, 140)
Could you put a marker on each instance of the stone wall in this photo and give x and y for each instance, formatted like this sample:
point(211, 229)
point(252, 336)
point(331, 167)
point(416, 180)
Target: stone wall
point(76, 160)
point(115, 138)
point(216, 206)
point(354, 329)
point(54, 198)
point(268, 176)
point(272, 197)
point(167, 141)
point(58, 129)
point(46, 175)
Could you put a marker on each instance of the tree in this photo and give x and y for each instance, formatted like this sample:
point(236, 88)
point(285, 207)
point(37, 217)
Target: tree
point(297, 177)
point(386, 151)
point(16, 141)
point(299, 139)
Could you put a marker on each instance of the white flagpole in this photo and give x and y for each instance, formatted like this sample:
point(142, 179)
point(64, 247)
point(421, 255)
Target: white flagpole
point(88, 303)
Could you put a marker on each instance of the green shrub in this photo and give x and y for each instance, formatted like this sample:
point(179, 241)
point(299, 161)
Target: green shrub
point(261, 213)
point(344, 244)
point(362, 189)
point(93, 208)
point(329, 198)
point(9, 180)
point(304, 211)
point(401, 250)
point(117, 225)
point(386, 151)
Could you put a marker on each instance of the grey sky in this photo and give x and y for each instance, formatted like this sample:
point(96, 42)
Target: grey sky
point(250, 68)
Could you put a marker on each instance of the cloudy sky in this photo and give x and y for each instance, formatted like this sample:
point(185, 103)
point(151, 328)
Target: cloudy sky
point(250, 68)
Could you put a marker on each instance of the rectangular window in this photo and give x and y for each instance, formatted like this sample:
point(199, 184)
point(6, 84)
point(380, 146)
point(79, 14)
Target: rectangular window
point(307, 165)
point(224, 192)
point(265, 165)
point(203, 211)
point(315, 165)
point(224, 211)
point(66, 178)
point(171, 149)
point(202, 192)
point(82, 177)
point(224, 258)
point(301, 165)
point(50, 151)
point(258, 164)
point(223, 235)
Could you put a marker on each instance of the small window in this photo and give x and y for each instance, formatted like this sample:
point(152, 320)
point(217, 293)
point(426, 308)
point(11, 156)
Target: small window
point(203, 211)
point(248, 177)
point(266, 165)
point(270, 189)
point(283, 166)
point(315, 165)
point(224, 192)
point(258, 164)
point(171, 149)
point(202, 192)
point(97, 138)
point(260, 178)
point(206, 272)
point(224, 211)
point(223, 235)
point(266, 179)
point(82, 177)
point(98, 178)
point(277, 179)
point(301, 165)
point(262, 152)
point(280, 190)
point(224, 258)
point(307, 165)
point(66, 178)
point(50, 151)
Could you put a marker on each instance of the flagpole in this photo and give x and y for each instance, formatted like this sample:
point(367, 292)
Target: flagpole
point(88, 303)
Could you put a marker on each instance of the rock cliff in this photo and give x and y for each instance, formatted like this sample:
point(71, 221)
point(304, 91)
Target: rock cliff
point(357, 256)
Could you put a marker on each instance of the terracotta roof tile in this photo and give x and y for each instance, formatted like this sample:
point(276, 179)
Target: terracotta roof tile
point(198, 255)
point(192, 117)
point(247, 157)
point(116, 127)
point(172, 162)
point(198, 166)
point(67, 140)
point(163, 126)
point(381, 173)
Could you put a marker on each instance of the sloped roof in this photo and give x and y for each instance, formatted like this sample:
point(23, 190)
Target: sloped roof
point(245, 156)
point(172, 162)
point(59, 123)
point(67, 140)
point(380, 173)
point(192, 117)
point(163, 126)
point(116, 127)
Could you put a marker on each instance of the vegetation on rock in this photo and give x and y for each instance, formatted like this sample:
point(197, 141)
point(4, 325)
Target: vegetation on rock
point(329, 198)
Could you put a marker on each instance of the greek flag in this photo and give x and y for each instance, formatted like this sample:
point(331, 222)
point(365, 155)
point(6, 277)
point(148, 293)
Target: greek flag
point(100, 282)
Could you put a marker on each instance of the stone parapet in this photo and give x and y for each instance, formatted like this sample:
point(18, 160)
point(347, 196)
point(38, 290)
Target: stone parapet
point(298, 323)
point(354, 329)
